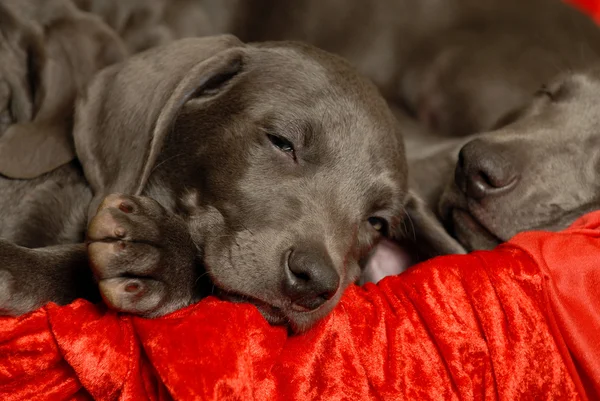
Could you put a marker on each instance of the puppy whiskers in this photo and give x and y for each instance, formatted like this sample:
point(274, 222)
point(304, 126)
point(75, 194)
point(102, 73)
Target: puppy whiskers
point(412, 225)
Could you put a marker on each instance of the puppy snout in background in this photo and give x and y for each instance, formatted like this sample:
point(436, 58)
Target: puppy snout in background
point(538, 173)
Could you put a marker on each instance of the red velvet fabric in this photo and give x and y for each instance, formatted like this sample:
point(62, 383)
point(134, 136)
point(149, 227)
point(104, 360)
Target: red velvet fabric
point(520, 322)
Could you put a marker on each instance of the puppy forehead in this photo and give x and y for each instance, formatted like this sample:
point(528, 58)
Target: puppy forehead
point(322, 91)
point(286, 61)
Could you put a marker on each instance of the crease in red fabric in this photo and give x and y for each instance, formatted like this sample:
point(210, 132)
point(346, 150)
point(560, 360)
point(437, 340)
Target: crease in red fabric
point(508, 324)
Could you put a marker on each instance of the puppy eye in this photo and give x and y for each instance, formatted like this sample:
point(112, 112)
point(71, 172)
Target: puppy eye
point(380, 225)
point(545, 92)
point(282, 144)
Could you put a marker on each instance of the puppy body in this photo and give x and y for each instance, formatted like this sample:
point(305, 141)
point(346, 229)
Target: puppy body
point(49, 51)
point(459, 66)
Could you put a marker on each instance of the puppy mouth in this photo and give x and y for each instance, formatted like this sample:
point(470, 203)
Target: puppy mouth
point(295, 317)
point(463, 223)
point(272, 314)
point(470, 231)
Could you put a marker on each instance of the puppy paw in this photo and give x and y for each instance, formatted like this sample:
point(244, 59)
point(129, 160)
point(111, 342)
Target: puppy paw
point(142, 256)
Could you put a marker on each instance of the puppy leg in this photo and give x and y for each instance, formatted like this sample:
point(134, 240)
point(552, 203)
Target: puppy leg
point(142, 256)
point(30, 278)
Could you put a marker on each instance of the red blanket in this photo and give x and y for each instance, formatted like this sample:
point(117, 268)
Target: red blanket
point(520, 322)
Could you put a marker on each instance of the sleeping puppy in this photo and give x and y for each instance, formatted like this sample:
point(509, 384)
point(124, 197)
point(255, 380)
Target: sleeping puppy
point(49, 51)
point(459, 66)
point(270, 169)
point(539, 173)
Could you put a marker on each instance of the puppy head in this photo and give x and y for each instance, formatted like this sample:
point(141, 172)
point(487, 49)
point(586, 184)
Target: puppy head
point(286, 164)
point(49, 51)
point(541, 172)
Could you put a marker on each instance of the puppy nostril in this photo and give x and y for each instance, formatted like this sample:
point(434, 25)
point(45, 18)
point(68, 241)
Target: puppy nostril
point(126, 207)
point(486, 179)
point(478, 186)
point(301, 276)
point(326, 296)
point(461, 160)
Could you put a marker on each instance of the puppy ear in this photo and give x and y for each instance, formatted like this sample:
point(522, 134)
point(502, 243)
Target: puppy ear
point(57, 69)
point(122, 122)
point(427, 232)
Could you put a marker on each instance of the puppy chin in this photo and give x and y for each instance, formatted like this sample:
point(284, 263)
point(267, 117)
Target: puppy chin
point(299, 322)
point(471, 233)
point(296, 321)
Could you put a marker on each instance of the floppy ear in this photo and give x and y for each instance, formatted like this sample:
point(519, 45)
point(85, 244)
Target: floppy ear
point(123, 120)
point(57, 69)
point(429, 236)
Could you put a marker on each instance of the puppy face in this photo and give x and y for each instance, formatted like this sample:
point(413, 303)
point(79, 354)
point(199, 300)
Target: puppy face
point(540, 172)
point(288, 181)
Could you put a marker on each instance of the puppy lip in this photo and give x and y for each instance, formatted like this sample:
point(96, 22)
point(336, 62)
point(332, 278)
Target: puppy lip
point(464, 221)
point(286, 314)
point(302, 309)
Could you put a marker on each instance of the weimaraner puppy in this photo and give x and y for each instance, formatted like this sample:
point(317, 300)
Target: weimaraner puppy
point(459, 66)
point(266, 170)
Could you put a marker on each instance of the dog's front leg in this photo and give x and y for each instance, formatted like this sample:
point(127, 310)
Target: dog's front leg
point(30, 278)
point(142, 256)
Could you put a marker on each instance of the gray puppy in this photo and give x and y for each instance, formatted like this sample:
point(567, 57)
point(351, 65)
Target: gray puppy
point(273, 168)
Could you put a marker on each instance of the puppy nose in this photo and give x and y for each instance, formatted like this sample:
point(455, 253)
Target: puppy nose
point(483, 171)
point(310, 278)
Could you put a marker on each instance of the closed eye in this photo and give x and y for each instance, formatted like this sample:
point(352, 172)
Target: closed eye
point(283, 145)
point(544, 92)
